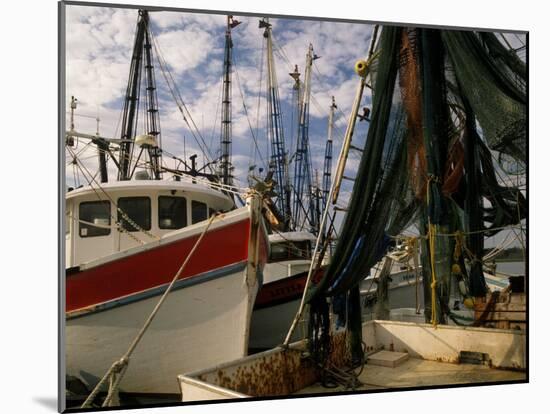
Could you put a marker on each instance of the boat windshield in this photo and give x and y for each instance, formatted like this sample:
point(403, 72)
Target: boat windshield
point(290, 250)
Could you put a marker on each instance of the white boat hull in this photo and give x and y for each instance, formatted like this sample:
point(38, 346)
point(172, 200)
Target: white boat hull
point(198, 326)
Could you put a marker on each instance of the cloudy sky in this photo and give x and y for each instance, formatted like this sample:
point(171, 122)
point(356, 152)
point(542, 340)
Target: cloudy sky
point(99, 44)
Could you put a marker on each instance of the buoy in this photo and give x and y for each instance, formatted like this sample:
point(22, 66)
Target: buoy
point(462, 288)
point(361, 68)
point(145, 139)
point(469, 303)
point(456, 269)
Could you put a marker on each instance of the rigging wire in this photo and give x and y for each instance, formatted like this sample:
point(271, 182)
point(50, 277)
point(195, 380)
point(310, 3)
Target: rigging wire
point(216, 124)
point(125, 217)
point(281, 52)
point(174, 91)
point(216, 185)
point(339, 134)
point(87, 146)
point(258, 107)
point(519, 39)
point(318, 75)
point(246, 111)
point(501, 247)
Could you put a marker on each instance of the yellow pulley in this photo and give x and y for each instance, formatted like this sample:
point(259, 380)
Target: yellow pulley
point(361, 68)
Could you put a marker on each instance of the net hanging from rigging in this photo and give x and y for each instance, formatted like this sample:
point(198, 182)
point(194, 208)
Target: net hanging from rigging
point(442, 101)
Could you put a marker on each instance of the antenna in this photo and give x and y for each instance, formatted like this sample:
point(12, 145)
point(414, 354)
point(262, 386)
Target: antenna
point(73, 107)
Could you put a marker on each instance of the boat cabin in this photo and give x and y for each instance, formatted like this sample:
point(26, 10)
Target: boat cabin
point(125, 214)
point(290, 254)
point(293, 245)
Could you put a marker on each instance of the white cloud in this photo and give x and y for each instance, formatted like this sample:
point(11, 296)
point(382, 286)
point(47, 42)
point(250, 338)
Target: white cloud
point(99, 47)
point(186, 49)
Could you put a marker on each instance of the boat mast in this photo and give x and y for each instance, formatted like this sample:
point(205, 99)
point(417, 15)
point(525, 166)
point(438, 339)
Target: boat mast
point(278, 163)
point(295, 125)
point(153, 121)
point(142, 42)
point(304, 206)
point(327, 167)
point(225, 138)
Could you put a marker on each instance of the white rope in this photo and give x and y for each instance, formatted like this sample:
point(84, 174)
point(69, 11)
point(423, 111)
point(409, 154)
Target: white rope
point(119, 367)
point(500, 248)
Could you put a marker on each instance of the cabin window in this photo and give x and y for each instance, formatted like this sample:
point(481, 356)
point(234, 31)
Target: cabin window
point(172, 212)
point(199, 211)
point(67, 222)
point(138, 210)
point(94, 218)
point(289, 250)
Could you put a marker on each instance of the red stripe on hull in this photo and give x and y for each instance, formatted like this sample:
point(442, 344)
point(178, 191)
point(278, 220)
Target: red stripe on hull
point(148, 269)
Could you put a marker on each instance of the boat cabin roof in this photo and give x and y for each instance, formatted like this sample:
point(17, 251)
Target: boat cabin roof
point(292, 236)
point(188, 188)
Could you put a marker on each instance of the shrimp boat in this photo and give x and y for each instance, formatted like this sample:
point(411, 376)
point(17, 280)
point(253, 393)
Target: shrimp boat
point(395, 289)
point(405, 296)
point(126, 240)
point(115, 276)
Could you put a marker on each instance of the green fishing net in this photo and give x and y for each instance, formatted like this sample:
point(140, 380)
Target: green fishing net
point(444, 102)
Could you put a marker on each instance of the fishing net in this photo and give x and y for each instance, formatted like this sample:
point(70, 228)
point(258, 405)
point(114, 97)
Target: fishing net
point(378, 201)
point(443, 102)
point(362, 236)
point(493, 82)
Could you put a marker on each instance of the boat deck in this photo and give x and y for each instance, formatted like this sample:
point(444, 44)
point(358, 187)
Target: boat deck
point(400, 355)
point(416, 372)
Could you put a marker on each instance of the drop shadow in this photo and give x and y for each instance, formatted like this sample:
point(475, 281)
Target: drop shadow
point(48, 402)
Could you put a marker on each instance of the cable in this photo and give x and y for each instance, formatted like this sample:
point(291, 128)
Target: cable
point(174, 91)
point(246, 112)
